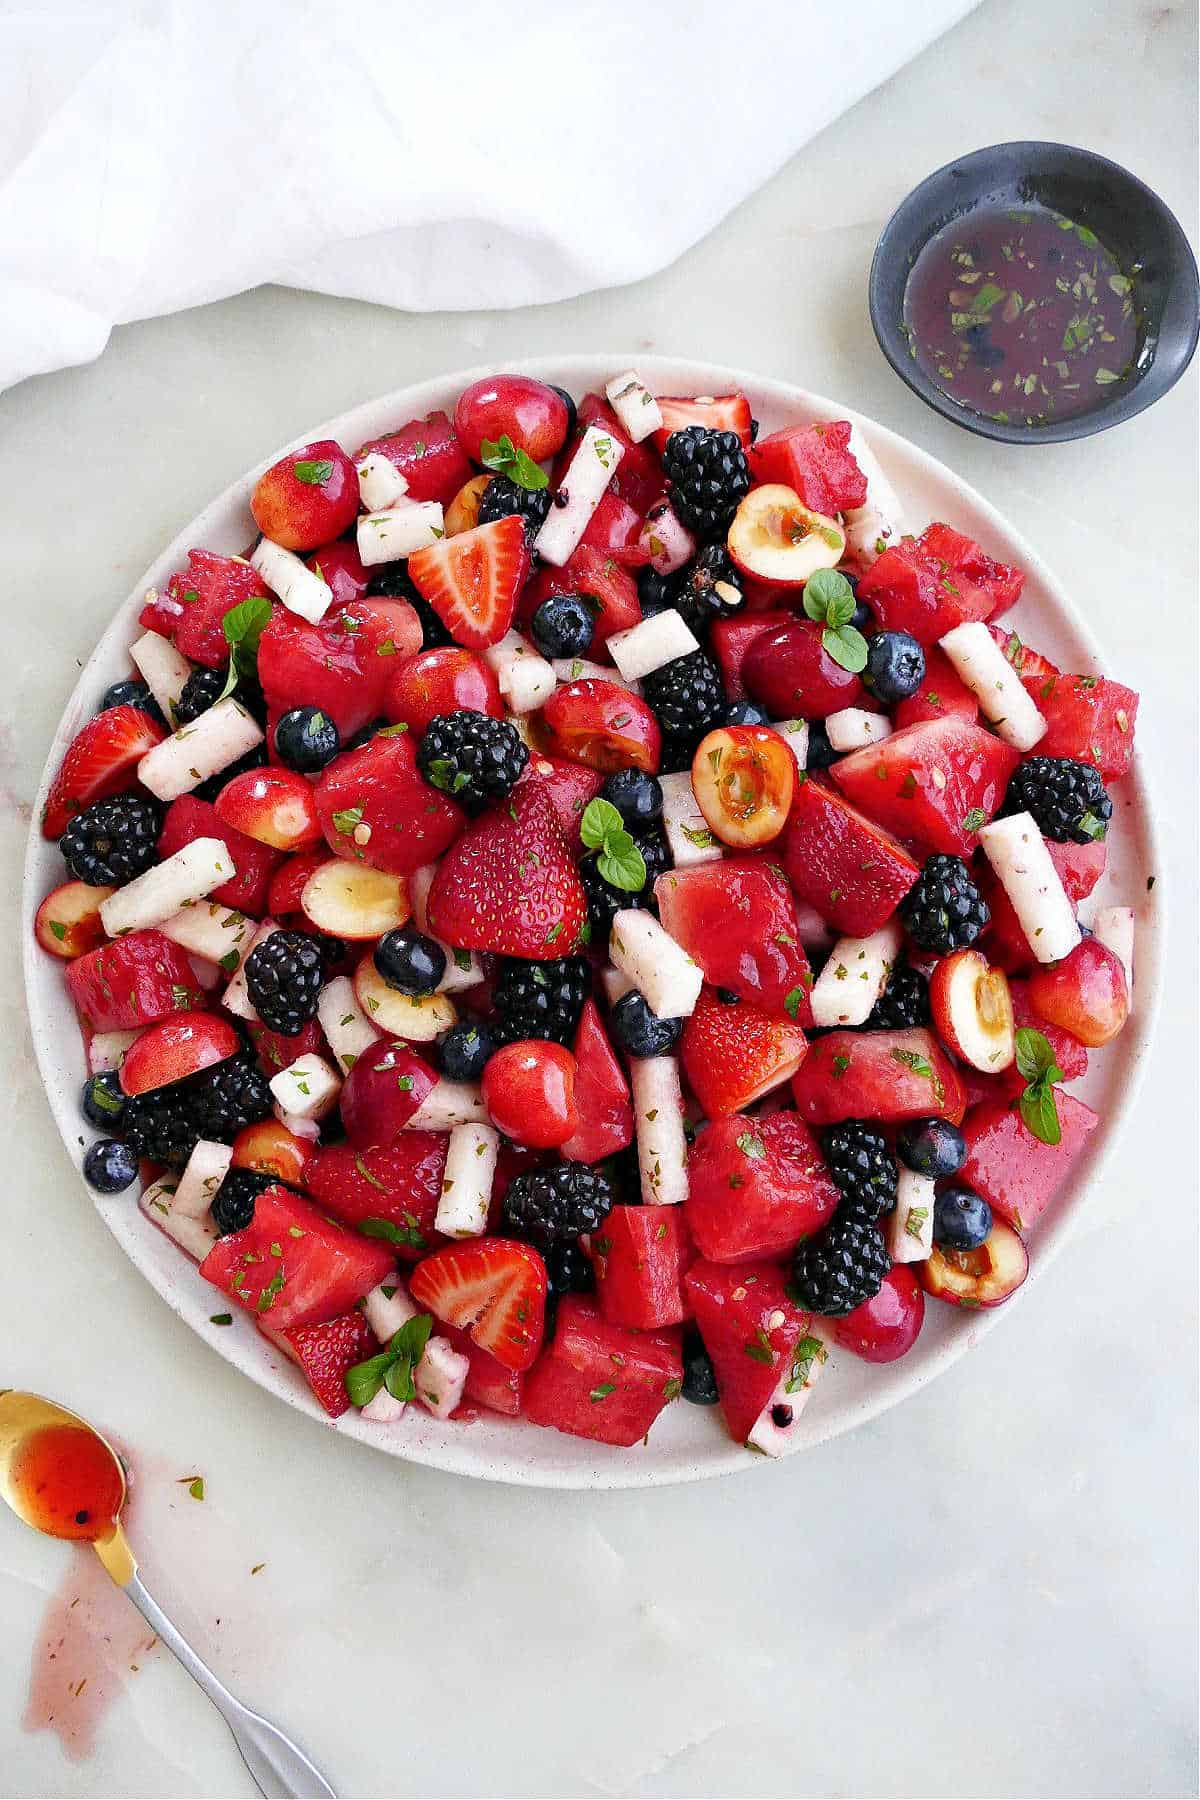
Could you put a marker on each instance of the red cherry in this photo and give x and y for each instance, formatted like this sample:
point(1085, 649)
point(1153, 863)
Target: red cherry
point(788, 671)
point(602, 726)
point(273, 806)
point(887, 1326)
point(1086, 993)
point(443, 680)
point(533, 415)
point(340, 565)
point(529, 1092)
point(309, 497)
point(272, 1149)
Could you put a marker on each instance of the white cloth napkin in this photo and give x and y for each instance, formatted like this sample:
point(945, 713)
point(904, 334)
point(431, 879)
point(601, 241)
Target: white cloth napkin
point(428, 154)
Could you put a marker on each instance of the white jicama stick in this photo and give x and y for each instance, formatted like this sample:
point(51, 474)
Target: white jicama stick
point(296, 585)
point(300, 1127)
point(651, 644)
point(386, 1311)
point(1003, 700)
point(634, 404)
point(419, 884)
point(380, 483)
point(196, 751)
point(880, 522)
point(852, 728)
point(658, 1122)
point(1114, 927)
point(591, 469)
point(384, 1409)
point(162, 667)
point(236, 998)
point(615, 984)
point(217, 933)
point(909, 1229)
point(688, 832)
point(307, 1088)
point(190, 874)
point(348, 1030)
point(196, 1236)
point(206, 1169)
point(448, 1104)
point(794, 733)
point(855, 976)
point(440, 1376)
point(463, 970)
point(526, 679)
point(467, 1183)
point(774, 1431)
point(578, 668)
point(1018, 854)
point(106, 1050)
point(670, 544)
point(658, 967)
point(403, 527)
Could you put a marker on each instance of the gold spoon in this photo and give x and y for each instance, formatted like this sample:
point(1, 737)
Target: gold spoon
point(62, 1478)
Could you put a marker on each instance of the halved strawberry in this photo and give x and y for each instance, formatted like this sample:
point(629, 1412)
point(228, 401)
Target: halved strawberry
point(325, 1352)
point(510, 884)
point(293, 1266)
point(391, 1191)
point(723, 412)
point(494, 1288)
point(101, 760)
point(472, 580)
point(733, 1055)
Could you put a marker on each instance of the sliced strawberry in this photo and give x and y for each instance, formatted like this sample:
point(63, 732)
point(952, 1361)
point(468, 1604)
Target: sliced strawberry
point(472, 580)
point(132, 982)
point(885, 1075)
point(510, 884)
point(101, 760)
point(188, 819)
point(395, 1187)
point(601, 1094)
point(599, 577)
point(493, 1288)
point(734, 1054)
point(293, 1266)
point(737, 919)
point(725, 412)
point(325, 1352)
point(191, 609)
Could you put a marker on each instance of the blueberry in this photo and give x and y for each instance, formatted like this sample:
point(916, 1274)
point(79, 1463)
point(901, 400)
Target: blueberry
point(962, 1220)
point(639, 1032)
point(727, 997)
point(862, 618)
point(932, 1147)
point(744, 712)
point(110, 1166)
point(821, 753)
point(895, 666)
point(699, 1377)
point(132, 693)
point(103, 1100)
point(409, 961)
point(563, 626)
point(306, 739)
point(464, 1051)
point(638, 797)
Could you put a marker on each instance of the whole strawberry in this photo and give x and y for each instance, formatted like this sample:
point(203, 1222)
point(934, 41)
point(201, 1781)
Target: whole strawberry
point(510, 885)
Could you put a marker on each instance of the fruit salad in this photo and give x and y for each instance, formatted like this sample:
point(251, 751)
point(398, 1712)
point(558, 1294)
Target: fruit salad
point(584, 915)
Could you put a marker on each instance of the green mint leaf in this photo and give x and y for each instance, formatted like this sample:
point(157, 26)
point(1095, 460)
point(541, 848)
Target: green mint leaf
point(752, 1146)
point(793, 1001)
point(1039, 1110)
point(313, 474)
point(600, 820)
point(364, 1379)
point(59, 929)
point(393, 1366)
point(827, 589)
point(1095, 828)
point(503, 458)
point(347, 820)
point(846, 646)
point(442, 773)
point(243, 624)
point(1035, 1058)
point(974, 819)
point(603, 1391)
point(622, 864)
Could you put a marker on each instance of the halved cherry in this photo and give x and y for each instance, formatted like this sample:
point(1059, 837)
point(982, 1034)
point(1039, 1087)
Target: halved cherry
point(602, 726)
point(973, 1011)
point(271, 1149)
point(442, 680)
point(417, 1018)
point(984, 1277)
point(743, 777)
point(529, 1092)
point(176, 1048)
point(272, 806)
point(1086, 993)
point(352, 900)
point(462, 514)
point(68, 922)
point(778, 540)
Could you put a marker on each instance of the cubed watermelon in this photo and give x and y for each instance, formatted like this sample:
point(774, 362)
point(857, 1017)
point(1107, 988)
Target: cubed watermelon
point(294, 1264)
point(930, 584)
point(1091, 719)
point(601, 1094)
point(883, 1075)
point(640, 1255)
point(391, 1191)
point(841, 862)
point(601, 1381)
point(189, 818)
point(941, 694)
point(756, 1187)
point(815, 461)
point(132, 982)
point(737, 919)
point(936, 783)
point(1017, 1174)
point(750, 1325)
point(599, 578)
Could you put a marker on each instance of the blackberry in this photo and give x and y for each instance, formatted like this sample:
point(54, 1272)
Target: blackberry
point(393, 582)
point(161, 1125)
point(863, 1169)
point(234, 1201)
point(744, 712)
point(840, 1267)
point(708, 475)
point(475, 758)
point(540, 999)
point(711, 588)
point(503, 498)
point(903, 1003)
point(306, 738)
point(284, 978)
point(568, 1269)
point(699, 1376)
point(202, 689)
point(228, 1097)
point(548, 1205)
point(253, 759)
point(132, 693)
point(110, 1166)
point(944, 911)
point(656, 592)
point(1068, 799)
point(111, 841)
point(604, 900)
point(688, 699)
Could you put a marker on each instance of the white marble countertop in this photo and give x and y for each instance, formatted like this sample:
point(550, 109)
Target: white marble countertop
point(988, 1591)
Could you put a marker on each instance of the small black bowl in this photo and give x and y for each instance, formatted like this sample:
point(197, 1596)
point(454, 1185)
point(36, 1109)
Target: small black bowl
point(1128, 218)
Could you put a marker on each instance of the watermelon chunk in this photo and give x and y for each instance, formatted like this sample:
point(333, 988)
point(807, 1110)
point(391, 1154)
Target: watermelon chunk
point(737, 919)
point(882, 1075)
point(293, 1264)
point(191, 609)
point(930, 584)
point(640, 1255)
point(601, 1095)
point(756, 1187)
point(599, 577)
point(188, 819)
point(937, 782)
point(841, 863)
point(941, 694)
point(428, 455)
point(815, 461)
point(601, 1381)
point(750, 1326)
point(132, 982)
point(1015, 1172)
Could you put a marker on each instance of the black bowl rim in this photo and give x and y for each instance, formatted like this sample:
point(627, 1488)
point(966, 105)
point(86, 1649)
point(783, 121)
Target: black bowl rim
point(1125, 405)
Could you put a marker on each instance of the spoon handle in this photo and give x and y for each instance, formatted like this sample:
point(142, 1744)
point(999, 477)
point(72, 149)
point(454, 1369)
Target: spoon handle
point(280, 1767)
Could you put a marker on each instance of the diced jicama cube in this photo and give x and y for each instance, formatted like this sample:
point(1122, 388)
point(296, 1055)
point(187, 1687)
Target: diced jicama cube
point(388, 1307)
point(217, 933)
point(463, 970)
point(1114, 927)
point(380, 483)
point(591, 469)
point(669, 544)
point(467, 1183)
point(236, 998)
point(774, 1431)
point(383, 1409)
point(196, 1236)
point(880, 522)
point(448, 1104)
point(162, 667)
point(440, 1376)
point(615, 984)
point(652, 643)
point(658, 1123)
point(1018, 854)
point(578, 668)
point(794, 733)
point(403, 527)
point(852, 728)
point(983, 667)
point(206, 1169)
point(688, 832)
point(194, 752)
point(106, 1049)
point(909, 1229)
point(298, 1124)
point(526, 679)
point(300, 589)
point(190, 874)
point(308, 1088)
point(634, 404)
point(854, 977)
point(348, 1030)
point(658, 967)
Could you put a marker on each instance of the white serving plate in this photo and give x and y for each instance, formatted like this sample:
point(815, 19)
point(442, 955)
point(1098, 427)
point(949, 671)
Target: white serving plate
point(688, 1443)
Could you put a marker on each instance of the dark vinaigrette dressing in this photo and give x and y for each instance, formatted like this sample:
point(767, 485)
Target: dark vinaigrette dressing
point(1020, 315)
